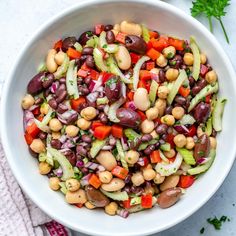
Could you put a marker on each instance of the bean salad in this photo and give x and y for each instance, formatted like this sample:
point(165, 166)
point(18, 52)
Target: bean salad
point(123, 117)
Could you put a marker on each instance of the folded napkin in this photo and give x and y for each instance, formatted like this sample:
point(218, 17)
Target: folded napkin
point(18, 214)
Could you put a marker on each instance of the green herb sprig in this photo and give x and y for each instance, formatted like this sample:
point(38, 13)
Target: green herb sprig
point(211, 8)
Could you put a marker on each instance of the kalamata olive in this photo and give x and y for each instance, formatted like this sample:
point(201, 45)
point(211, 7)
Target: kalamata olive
point(108, 27)
point(87, 51)
point(96, 197)
point(42, 135)
point(53, 103)
point(81, 150)
point(84, 37)
point(90, 61)
point(180, 100)
point(103, 117)
point(162, 77)
point(202, 112)
point(61, 97)
point(169, 197)
point(70, 155)
point(128, 117)
point(135, 44)
point(191, 81)
point(161, 129)
point(55, 143)
point(146, 138)
point(149, 149)
point(113, 88)
point(68, 42)
point(168, 110)
point(48, 80)
point(36, 83)
point(62, 108)
point(86, 138)
point(202, 147)
point(110, 37)
point(38, 101)
point(72, 118)
point(62, 80)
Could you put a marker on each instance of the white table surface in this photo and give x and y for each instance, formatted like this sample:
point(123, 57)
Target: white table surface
point(18, 21)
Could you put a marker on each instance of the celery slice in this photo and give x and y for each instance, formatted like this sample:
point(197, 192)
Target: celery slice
point(121, 154)
point(101, 101)
point(118, 196)
point(187, 120)
point(78, 47)
point(71, 80)
point(196, 58)
point(153, 91)
point(187, 156)
point(92, 42)
point(42, 125)
point(97, 145)
point(209, 126)
point(218, 113)
point(138, 207)
point(63, 188)
point(131, 134)
point(112, 110)
point(110, 48)
point(98, 58)
point(61, 70)
point(135, 201)
point(145, 33)
point(165, 147)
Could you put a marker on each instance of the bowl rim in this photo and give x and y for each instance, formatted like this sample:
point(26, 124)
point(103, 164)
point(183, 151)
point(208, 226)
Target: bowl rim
point(10, 77)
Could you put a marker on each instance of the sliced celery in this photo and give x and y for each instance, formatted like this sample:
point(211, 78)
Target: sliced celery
point(187, 156)
point(118, 196)
point(121, 154)
point(97, 145)
point(196, 58)
point(61, 70)
point(71, 80)
point(98, 58)
point(218, 113)
point(145, 33)
point(153, 91)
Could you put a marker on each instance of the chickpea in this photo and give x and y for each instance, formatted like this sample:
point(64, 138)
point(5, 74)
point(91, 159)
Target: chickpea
point(161, 106)
point(211, 77)
point(50, 62)
point(105, 177)
point(123, 58)
point(111, 208)
point(89, 205)
point(188, 59)
point(152, 113)
point(56, 135)
point(190, 143)
point(155, 71)
point(38, 146)
point(55, 125)
point(72, 185)
point(107, 160)
point(83, 124)
point(180, 140)
point(168, 120)
point(213, 142)
point(170, 154)
point(161, 61)
point(78, 196)
point(130, 28)
point(163, 92)
point(170, 182)
point(88, 113)
point(149, 174)
point(59, 58)
point(137, 179)
point(147, 126)
point(72, 130)
point(149, 190)
point(169, 52)
point(172, 74)
point(54, 183)
point(44, 108)
point(203, 58)
point(27, 101)
point(116, 27)
point(132, 157)
point(116, 184)
point(178, 112)
point(141, 99)
point(158, 179)
point(154, 134)
point(44, 168)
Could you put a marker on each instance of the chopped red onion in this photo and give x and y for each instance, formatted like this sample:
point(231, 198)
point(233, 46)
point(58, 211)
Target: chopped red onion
point(112, 140)
point(106, 109)
point(123, 213)
point(92, 97)
point(28, 118)
point(54, 86)
point(181, 129)
point(63, 121)
point(80, 163)
point(98, 83)
point(64, 150)
point(124, 143)
point(91, 131)
point(101, 168)
point(58, 172)
point(68, 144)
point(107, 147)
point(91, 85)
point(141, 161)
point(123, 90)
point(131, 105)
point(63, 138)
point(91, 165)
point(202, 160)
point(33, 107)
point(85, 180)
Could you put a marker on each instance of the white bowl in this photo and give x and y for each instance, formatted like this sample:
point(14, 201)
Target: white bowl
point(159, 16)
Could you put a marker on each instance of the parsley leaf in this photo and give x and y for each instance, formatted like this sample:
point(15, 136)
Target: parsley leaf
point(217, 223)
point(202, 230)
point(211, 8)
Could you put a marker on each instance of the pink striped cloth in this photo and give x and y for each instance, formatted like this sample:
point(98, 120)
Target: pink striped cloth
point(18, 214)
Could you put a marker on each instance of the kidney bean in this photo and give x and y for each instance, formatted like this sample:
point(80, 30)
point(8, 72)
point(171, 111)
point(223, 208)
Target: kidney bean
point(202, 83)
point(135, 44)
point(81, 150)
point(169, 197)
point(55, 143)
point(96, 197)
point(202, 112)
point(103, 117)
point(110, 37)
point(80, 81)
point(180, 100)
point(46, 92)
point(128, 117)
point(191, 81)
point(195, 90)
point(108, 27)
point(100, 107)
point(42, 135)
point(68, 42)
point(176, 62)
point(38, 101)
point(86, 138)
point(83, 90)
point(84, 37)
point(90, 61)
point(87, 51)
point(149, 149)
point(61, 97)
point(36, 83)
point(62, 80)
point(62, 108)
point(162, 77)
point(161, 129)
point(48, 80)
point(71, 157)
point(202, 147)
point(169, 110)
point(157, 145)
point(113, 88)
point(53, 103)
point(72, 118)
point(87, 80)
point(146, 138)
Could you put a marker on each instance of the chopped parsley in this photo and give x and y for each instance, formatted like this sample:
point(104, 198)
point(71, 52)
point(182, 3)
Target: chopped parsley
point(217, 223)
point(201, 153)
point(89, 33)
point(71, 82)
point(170, 55)
point(172, 63)
point(105, 46)
point(202, 230)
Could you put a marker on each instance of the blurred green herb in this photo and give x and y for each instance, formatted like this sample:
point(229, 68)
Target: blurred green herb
point(211, 8)
point(217, 223)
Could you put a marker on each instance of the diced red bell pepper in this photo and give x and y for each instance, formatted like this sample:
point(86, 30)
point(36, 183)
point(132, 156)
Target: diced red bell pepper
point(146, 161)
point(120, 172)
point(106, 76)
point(79, 205)
point(102, 132)
point(146, 201)
point(98, 29)
point(82, 73)
point(184, 91)
point(149, 45)
point(32, 130)
point(142, 115)
point(177, 43)
point(145, 75)
point(170, 140)
point(28, 138)
point(95, 181)
point(186, 181)
point(126, 204)
point(73, 54)
point(96, 124)
point(93, 74)
point(85, 67)
point(75, 103)
point(192, 131)
point(150, 65)
point(58, 45)
point(155, 156)
point(153, 34)
point(141, 84)
point(160, 43)
point(208, 98)
point(36, 111)
point(117, 131)
point(134, 57)
point(153, 54)
point(130, 95)
point(203, 70)
point(120, 37)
